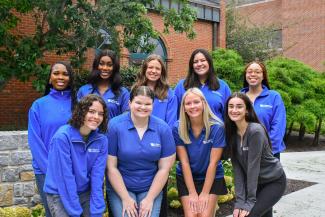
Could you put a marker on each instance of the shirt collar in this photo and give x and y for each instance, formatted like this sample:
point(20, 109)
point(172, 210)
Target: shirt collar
point(130, 124)
point(60, 93)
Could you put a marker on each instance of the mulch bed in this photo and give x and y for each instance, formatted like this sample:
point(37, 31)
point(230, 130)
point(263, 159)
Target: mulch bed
point(293, 145)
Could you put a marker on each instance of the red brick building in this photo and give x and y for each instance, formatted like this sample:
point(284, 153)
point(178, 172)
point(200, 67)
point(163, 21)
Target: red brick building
point(16, 97)
point(300, 23)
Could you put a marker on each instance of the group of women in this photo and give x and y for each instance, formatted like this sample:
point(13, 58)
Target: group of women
point(137, 135)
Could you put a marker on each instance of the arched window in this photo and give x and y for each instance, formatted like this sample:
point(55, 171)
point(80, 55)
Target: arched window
point(160, 49)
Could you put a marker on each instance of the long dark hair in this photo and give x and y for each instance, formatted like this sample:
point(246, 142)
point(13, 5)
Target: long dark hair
point(71, 85)
point(265, 80)
point(161, 89)
point(79, 113)
point(115, 78)
point(230, 126)
point(192, 79)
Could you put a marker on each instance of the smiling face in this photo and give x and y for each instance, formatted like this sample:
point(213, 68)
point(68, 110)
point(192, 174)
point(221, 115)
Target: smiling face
point(59, 77)
point(201, 65)
point(153, 72)
point(193, 105)
point(254, 75)
point(105, 67)
point(237, 109)
point(94, 116)
point(141, 106)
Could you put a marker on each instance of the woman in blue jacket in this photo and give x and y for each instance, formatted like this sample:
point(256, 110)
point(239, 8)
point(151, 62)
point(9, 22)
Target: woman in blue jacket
point(105, 81)
point(46, 115)
point(154, 75)
point(200, 139)
point(141, 154)
point(77, 160)
point(268, 104)
point(201, 74)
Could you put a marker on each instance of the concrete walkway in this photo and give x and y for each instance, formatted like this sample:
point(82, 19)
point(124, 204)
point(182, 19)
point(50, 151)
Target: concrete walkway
point(307, 202)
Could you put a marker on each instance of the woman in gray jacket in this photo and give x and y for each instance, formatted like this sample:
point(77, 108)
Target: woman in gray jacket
point(259, 177)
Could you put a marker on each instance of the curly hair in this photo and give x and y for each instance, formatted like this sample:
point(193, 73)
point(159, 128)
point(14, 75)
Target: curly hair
point(82, 108)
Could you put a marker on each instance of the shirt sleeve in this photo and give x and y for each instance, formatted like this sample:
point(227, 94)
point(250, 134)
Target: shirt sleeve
point(177, 138)
point(239, 178)
point(218, 136)
point(179, 91)
point(167, 143)
point(171, 113)
point(125, 101)
point(97, 203)
point(36, 143)
point(112, 137)
point(79, 94)
point(278, 123)
point(255, 145)
point(65, 179)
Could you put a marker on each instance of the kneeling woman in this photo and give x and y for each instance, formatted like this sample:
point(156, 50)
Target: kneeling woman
point(140, 155)
point(199, 136)
point(77, 161)
point(259, 178)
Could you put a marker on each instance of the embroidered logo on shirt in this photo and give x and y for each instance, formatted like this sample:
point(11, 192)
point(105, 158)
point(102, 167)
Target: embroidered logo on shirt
point(217, 92)
point(266, 106)
point(157, 145)
point(245, 148)
point(93, 150)
point(207, 141)
point(113, 101)
point(162, 100)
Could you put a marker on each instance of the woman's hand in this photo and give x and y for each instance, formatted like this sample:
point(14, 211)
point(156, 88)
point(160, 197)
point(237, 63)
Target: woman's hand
point(243, 213)
point(193, 200)
point(236, 213)
point(145, 207)
point(130, 207)
point(203, 202)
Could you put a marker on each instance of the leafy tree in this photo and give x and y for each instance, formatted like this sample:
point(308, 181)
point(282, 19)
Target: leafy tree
point(71, 27)
point(251, 42)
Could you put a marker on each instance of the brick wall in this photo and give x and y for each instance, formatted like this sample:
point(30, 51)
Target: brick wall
point(16, 97)
point(17, 181)
point(302, 23)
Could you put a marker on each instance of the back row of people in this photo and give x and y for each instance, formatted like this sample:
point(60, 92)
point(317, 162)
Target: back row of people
point(141, 147)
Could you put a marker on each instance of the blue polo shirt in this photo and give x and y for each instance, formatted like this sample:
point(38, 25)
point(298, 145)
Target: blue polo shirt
point(270, 110)
point(166, 109)
point(45, 116)
point(116, 105)
point(75, 167)
point(215, 98)
point(199, 151)
point(138, 159)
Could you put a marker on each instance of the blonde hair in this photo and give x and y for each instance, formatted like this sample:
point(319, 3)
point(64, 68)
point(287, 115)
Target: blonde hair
point(161, 89)
point(208, 117)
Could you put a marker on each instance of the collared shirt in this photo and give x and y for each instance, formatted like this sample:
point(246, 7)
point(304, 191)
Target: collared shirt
point(116, 105)
point(75, 167)
point(138, 158)
point(270, 110)
point(199, 150)
point(45, 116)
point(166, 109)
point(215, 98)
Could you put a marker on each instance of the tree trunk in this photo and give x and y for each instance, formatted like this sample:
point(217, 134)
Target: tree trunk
point(289, 130)
point(317, 132)
point(302, 131)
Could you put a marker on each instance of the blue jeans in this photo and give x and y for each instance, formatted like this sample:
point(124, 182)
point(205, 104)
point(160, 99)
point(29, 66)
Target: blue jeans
point(40, 179)
point(117, 207)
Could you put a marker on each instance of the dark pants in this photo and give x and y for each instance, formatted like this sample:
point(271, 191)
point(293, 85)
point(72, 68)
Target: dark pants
point(40, 178)
point(57, 209)
point(164, 203)
point(267, 196)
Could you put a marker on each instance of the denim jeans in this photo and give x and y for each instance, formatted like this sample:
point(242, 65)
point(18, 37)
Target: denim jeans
point(40, 179)
point(57, 209)
point(117, 207)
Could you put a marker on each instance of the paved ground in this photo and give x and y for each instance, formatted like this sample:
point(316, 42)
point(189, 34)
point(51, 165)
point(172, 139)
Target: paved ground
point(308, 202)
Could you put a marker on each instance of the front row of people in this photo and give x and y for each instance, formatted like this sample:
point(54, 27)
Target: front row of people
point(140, 150)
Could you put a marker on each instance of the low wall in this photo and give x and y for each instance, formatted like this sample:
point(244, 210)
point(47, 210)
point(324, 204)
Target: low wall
point(17, 181)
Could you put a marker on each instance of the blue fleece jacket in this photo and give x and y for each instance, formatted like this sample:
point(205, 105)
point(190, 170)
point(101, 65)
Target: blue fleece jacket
point(270, 110)
point(75, 167)
point(46, 115)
